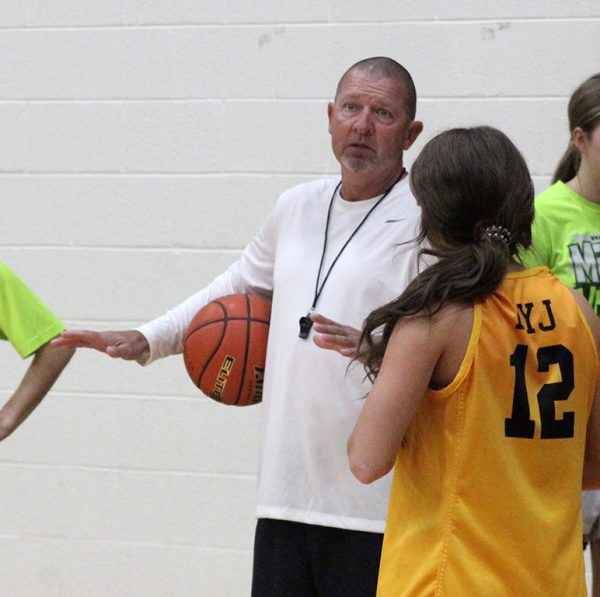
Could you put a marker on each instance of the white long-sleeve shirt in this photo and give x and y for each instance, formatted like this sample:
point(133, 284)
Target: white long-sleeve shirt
point(310, 398)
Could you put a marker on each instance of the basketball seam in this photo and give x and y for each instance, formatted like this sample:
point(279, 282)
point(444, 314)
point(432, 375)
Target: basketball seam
point(247, 348)
point(204, 324)
point(214, 352)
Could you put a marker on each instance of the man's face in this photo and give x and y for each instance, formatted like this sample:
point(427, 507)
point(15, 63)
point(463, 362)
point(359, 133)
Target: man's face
point(368, 124)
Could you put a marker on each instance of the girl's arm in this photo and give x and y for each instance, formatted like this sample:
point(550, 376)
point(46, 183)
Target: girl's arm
point(410, 358)
point(47, 365)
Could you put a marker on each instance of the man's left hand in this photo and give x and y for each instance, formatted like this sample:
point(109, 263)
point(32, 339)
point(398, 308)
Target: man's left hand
point(331, 335)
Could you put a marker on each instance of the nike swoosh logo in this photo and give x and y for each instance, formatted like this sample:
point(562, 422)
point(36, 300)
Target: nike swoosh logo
point(392, 221)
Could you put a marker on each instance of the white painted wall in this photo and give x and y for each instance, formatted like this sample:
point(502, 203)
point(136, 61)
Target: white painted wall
point(143, 143)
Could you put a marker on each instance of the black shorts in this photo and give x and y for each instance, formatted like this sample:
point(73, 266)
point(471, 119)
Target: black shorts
point(293, 559)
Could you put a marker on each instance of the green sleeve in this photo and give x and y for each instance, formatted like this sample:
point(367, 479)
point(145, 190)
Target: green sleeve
point(25, 321)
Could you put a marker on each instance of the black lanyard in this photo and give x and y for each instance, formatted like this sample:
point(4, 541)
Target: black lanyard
point(306, 322)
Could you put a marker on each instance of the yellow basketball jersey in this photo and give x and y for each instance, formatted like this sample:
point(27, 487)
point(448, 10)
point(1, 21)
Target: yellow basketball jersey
point(486, 495)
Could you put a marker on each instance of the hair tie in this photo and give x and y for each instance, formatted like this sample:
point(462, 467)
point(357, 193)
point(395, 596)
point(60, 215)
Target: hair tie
point(498, 233)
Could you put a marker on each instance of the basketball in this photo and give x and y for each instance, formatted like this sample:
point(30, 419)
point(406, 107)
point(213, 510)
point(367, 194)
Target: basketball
point(225, 347)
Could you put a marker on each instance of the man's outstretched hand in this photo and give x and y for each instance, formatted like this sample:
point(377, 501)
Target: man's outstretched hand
point(331, 335)
point(128, 345)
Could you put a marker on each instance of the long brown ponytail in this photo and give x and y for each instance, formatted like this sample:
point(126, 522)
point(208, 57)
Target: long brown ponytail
point(469, 183)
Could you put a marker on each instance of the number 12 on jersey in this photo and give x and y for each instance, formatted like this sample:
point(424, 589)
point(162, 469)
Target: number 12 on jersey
point(520, 424)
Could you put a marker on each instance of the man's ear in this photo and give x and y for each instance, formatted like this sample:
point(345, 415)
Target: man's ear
point(329, 115)
point(414, 130)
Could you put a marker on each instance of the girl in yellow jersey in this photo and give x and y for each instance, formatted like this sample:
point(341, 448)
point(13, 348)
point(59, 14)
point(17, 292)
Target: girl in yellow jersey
point(485, 377)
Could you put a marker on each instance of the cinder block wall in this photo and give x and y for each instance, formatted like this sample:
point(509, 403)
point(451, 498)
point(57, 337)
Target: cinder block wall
point(143, 143)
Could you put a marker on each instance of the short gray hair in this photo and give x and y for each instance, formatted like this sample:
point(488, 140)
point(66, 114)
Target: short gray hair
point(387, 68)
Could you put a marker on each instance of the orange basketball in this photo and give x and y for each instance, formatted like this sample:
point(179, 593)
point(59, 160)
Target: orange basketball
point(225, 347)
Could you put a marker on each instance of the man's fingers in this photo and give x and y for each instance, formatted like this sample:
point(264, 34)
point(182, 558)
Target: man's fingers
point(325, 328)
point(341, 344)
point(344, 335)
point(128, 344)
point(331, 335)
point(321, 319)
point(341, 340)
point(335, 329)
point(78, 339)
point(324, 342)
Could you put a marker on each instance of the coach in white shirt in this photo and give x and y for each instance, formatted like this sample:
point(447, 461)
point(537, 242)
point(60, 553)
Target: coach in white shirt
point(337, 248)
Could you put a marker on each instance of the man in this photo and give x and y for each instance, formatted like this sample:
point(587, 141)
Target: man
point(339, 247)
point(29, 326)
